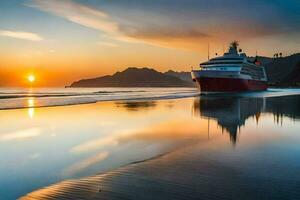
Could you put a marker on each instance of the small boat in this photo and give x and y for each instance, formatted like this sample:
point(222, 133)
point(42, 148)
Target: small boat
point(232, 72)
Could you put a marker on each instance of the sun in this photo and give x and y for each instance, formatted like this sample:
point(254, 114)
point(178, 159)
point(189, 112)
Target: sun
point(31, 78)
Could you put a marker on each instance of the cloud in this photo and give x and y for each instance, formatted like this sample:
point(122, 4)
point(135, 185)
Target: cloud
point(100, 20)
point(176, 23)
point(162, 32)
point(76, 13)
point(21, 35)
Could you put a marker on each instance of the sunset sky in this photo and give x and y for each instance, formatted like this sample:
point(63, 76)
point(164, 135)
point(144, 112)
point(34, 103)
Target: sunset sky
point(60, 41)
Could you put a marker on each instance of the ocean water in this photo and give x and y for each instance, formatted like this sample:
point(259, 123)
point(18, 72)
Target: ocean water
point(12, 98)
point(162, 143)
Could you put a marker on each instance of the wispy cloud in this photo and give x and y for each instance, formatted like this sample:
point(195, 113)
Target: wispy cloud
point(181, 24)
point(21, 35)
point(154, 28)
point(124, 32)
point(77, 13)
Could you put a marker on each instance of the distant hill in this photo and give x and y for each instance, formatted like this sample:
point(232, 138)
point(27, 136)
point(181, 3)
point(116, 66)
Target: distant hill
point(134, 77)
point(285, 71)
point(185, 76)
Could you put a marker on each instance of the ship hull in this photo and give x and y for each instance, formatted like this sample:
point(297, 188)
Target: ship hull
point(215, 85)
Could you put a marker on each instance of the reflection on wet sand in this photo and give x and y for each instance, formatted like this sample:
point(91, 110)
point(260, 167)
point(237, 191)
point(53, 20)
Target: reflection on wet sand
point(231, 113)
point(163, 137)
point(136, 105)
point(194, 167)
point(31, 104)
point(288, 106)
point(20, 135)
point(81, 165)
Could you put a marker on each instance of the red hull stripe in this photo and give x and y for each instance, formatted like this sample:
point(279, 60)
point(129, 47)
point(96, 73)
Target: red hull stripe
point(230, 84)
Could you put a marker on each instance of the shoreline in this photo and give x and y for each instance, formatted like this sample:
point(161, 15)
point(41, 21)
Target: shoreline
point(110, 100)
point(275, 92)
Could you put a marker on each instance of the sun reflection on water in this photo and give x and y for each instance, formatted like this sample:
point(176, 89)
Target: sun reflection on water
point(30, 104)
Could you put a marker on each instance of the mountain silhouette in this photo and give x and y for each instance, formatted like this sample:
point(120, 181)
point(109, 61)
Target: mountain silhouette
point(283, 72)
point(134, 77)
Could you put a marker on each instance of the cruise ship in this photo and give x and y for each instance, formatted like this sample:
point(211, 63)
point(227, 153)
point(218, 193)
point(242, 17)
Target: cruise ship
point(232, 72)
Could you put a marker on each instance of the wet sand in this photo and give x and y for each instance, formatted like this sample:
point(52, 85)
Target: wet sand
point(194, 148)
point(189, 173)
point(255, 164)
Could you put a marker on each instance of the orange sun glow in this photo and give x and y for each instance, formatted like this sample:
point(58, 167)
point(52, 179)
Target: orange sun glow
point(31, 78)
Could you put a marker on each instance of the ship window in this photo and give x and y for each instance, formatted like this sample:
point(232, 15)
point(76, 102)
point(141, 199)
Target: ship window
point(213, 63)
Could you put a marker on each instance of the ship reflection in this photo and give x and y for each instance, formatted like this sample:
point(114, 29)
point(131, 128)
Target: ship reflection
point(136, 105)
point(232, 112)
point(288, 106)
